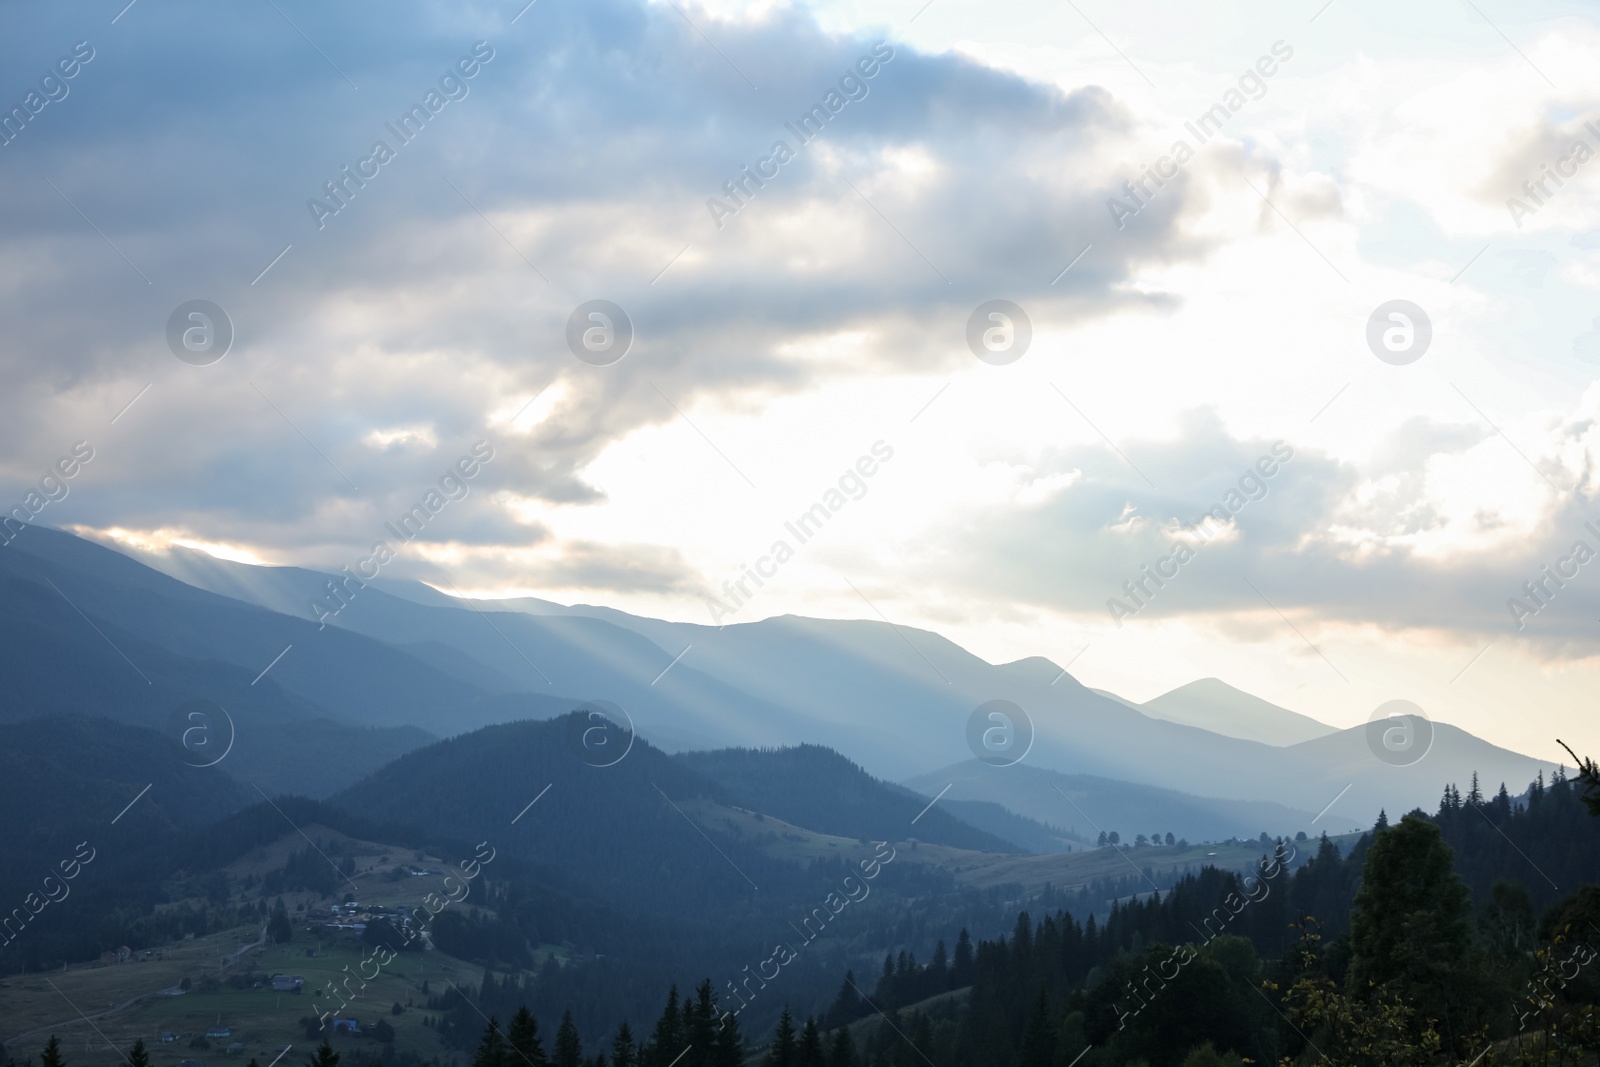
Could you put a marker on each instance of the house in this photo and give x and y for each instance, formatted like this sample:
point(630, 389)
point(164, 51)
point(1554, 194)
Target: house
point(167, 1037)
point(349, 1026)
point(191, 1063)
point(287, 983)
point(219, 1032)
point(236, 1048)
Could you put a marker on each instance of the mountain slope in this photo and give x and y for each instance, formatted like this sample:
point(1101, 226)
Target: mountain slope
point(616, 829)
point(56, 661)
point(817, 788)
point(895, 697)
point(898, 700)
point(1030, 834)
point(499, 651)
point(353, 678)
point(68, 771)
point(1212, 704)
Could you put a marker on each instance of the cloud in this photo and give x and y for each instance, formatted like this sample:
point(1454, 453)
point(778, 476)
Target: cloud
point(577, 162)
point(1426, 536)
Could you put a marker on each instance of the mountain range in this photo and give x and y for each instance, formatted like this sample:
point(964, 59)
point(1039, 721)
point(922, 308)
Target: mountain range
point(401, 664)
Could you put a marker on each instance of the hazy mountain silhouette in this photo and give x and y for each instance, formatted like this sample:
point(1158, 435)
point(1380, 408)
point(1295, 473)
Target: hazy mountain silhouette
point(894, 699)
point(1212, 704)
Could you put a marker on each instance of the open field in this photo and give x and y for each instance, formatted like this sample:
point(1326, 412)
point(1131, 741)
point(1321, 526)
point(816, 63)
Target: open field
point(265, 1021)
point(372, 881)
point(132, 1000)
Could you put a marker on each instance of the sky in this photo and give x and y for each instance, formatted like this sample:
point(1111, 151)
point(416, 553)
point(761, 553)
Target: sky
point(1207, 326)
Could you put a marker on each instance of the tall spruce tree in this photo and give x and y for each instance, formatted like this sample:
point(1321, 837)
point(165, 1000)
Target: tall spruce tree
point(782, 1052)
point(730, 1043)
point(809, 1051)
point(700, 1022)
point(525, 1048)
point(847, 1006)
point(843, 1052)
point(667, 1041)
point(491, 1047)
point(962, 966)
point(624, 1053)
point(569, 1046)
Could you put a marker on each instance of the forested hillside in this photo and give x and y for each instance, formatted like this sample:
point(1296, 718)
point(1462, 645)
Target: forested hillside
point(1417, 944)
point(817, 788)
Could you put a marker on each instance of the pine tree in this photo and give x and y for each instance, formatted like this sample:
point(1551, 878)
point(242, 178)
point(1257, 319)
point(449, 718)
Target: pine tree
point(686, 1029)
point(921, 1039)
point(961, 967)
point(667, 1041)
point(51, 1056)
point(139, 1056)
point(1022, 938)
point(847, 1006)
point(1475, 795)
point(624, 1053)
point(279, 930)
point(809, 1051)
point(569, 1047)
point(1588, 776)
point(1501, 803)
point(782, 1053)
point(730, 1044)
point(701, 1020)
point(843, 1053)
point(323, 1057)
point(523, 1039)
point(1038, 1040)
point(492, 1048)
point(939, 968)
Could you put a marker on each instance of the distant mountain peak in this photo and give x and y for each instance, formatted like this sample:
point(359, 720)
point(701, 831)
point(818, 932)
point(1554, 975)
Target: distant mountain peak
point(1212, 704)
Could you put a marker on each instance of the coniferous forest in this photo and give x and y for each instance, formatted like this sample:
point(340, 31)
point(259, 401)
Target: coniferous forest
point(1428, 942)
point(1461, 935)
